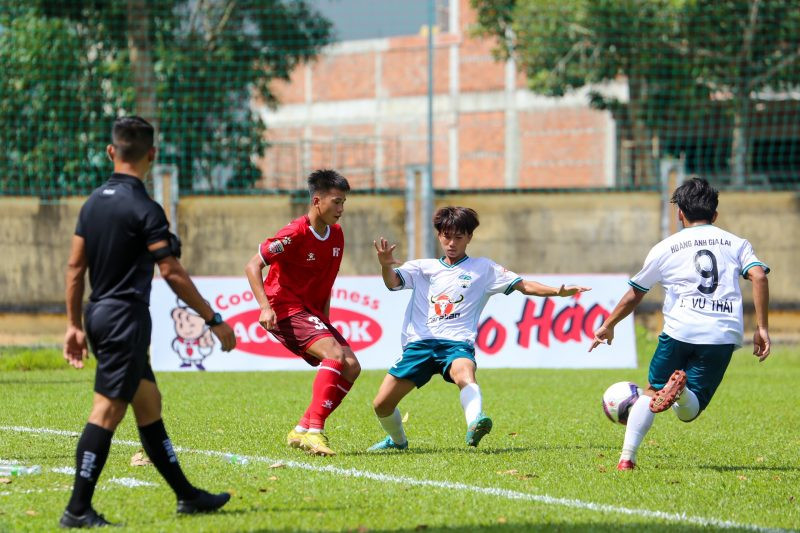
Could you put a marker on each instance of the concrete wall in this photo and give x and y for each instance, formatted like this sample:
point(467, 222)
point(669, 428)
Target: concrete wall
point(34, 244)
point(526, 232)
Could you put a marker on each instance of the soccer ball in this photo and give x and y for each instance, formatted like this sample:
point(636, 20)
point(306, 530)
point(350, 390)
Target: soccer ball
point(618, 400)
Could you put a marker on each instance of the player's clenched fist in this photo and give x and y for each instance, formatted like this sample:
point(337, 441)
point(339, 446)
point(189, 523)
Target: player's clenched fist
point(225, 335)
point(267, 318)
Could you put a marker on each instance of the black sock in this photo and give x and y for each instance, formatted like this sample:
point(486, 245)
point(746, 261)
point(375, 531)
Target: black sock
point(159, 449)
point(90, 458)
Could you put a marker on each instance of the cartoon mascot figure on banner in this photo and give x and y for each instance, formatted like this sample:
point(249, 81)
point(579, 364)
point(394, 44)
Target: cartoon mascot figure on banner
point(193, 341)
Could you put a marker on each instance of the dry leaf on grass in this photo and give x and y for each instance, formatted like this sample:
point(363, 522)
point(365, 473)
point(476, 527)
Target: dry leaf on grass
point(31, 512)
point(508, 472)
point(277, 465)
point(405, 417)
point(502, 520)
point(140, 459)
point(5, 480)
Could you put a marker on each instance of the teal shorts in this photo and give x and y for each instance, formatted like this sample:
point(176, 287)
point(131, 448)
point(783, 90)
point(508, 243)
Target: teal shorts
point(704, 364)
point(421, 360)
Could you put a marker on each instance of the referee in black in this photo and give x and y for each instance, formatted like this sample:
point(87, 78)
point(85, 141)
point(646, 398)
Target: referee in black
point(121, 234)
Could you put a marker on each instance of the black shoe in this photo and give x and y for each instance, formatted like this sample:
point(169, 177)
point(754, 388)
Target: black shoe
point(88, 519)
point(204, 502)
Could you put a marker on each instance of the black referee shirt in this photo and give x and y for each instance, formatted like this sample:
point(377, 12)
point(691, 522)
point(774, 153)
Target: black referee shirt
point(118, 222)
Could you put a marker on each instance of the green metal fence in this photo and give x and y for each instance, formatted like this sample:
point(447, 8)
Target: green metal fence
point(710, 85)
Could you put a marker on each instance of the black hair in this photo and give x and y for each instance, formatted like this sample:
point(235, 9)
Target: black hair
point(697, 199)
point(455, 220)
point(323, 180)
point(132, 137)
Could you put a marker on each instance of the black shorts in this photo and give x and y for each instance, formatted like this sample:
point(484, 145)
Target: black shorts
point(119, 336)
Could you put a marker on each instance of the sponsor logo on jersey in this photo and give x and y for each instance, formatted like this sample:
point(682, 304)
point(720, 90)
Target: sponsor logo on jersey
point(311, 257)
point(336, 252)
point(444, 304)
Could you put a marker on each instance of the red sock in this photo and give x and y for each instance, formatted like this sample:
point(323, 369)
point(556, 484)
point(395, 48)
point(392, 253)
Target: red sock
point(343, 386)
point(325, 393)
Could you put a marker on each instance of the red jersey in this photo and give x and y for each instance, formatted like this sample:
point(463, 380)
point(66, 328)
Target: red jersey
point(302, 267)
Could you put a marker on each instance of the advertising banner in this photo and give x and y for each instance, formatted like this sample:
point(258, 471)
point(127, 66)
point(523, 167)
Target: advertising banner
point(514, 331)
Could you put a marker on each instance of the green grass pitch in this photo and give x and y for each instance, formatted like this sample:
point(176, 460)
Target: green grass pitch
point(549, 463)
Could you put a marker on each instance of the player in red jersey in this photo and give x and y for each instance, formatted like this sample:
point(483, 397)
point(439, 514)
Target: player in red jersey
point(295, 299)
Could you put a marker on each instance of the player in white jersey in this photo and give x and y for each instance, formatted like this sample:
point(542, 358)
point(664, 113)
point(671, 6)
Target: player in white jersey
point(699, 268)
point(441, 321)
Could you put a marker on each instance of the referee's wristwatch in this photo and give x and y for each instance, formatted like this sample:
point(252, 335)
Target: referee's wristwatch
point(216, 320)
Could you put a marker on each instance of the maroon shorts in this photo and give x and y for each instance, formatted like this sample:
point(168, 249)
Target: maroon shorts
point(303, 329)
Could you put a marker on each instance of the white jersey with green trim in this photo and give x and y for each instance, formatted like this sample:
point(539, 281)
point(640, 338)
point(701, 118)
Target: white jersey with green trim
point(448, 299)
point(699, 268)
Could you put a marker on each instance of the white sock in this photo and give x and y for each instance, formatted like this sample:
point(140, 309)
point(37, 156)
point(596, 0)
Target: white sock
point(300, 429)
point(471, 401)
point(640, 419)
point(393, 425)
point(687, 406)
point(314, 430)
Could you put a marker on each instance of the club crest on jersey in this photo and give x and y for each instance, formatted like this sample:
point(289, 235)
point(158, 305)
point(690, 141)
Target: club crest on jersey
point(444, 304)
point(275, 247)
point(311, 257)
point(465, 280)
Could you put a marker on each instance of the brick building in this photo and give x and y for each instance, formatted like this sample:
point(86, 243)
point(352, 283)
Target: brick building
point(362, 108)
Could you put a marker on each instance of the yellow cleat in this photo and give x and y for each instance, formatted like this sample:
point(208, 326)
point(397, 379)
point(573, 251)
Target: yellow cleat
point(316, 444)
point(293, 438)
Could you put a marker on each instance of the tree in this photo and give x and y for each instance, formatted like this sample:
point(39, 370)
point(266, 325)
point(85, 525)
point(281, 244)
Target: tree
point(673, 54)
point(192, 66)
point(568, 44)
point(740, 48)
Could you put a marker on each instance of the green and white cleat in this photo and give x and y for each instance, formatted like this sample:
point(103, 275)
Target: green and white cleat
point(479, 428)
point(387, 444)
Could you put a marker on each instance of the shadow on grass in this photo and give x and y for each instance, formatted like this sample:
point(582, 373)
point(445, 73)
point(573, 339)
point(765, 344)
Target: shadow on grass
point(765, 468)
point(42, 381)
point(424, 450)
point(609, 526)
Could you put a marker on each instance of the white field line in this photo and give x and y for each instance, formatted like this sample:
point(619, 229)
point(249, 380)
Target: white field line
point(131, 482)
point(462, 487)
point(128, 482)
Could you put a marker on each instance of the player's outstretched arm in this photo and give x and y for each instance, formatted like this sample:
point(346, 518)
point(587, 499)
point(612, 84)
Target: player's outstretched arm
point(534, 288)
point(605, 333)
point(254, 272)
point(75, 348)
point(761, 342)
point(387, 261)
point(181, 284)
